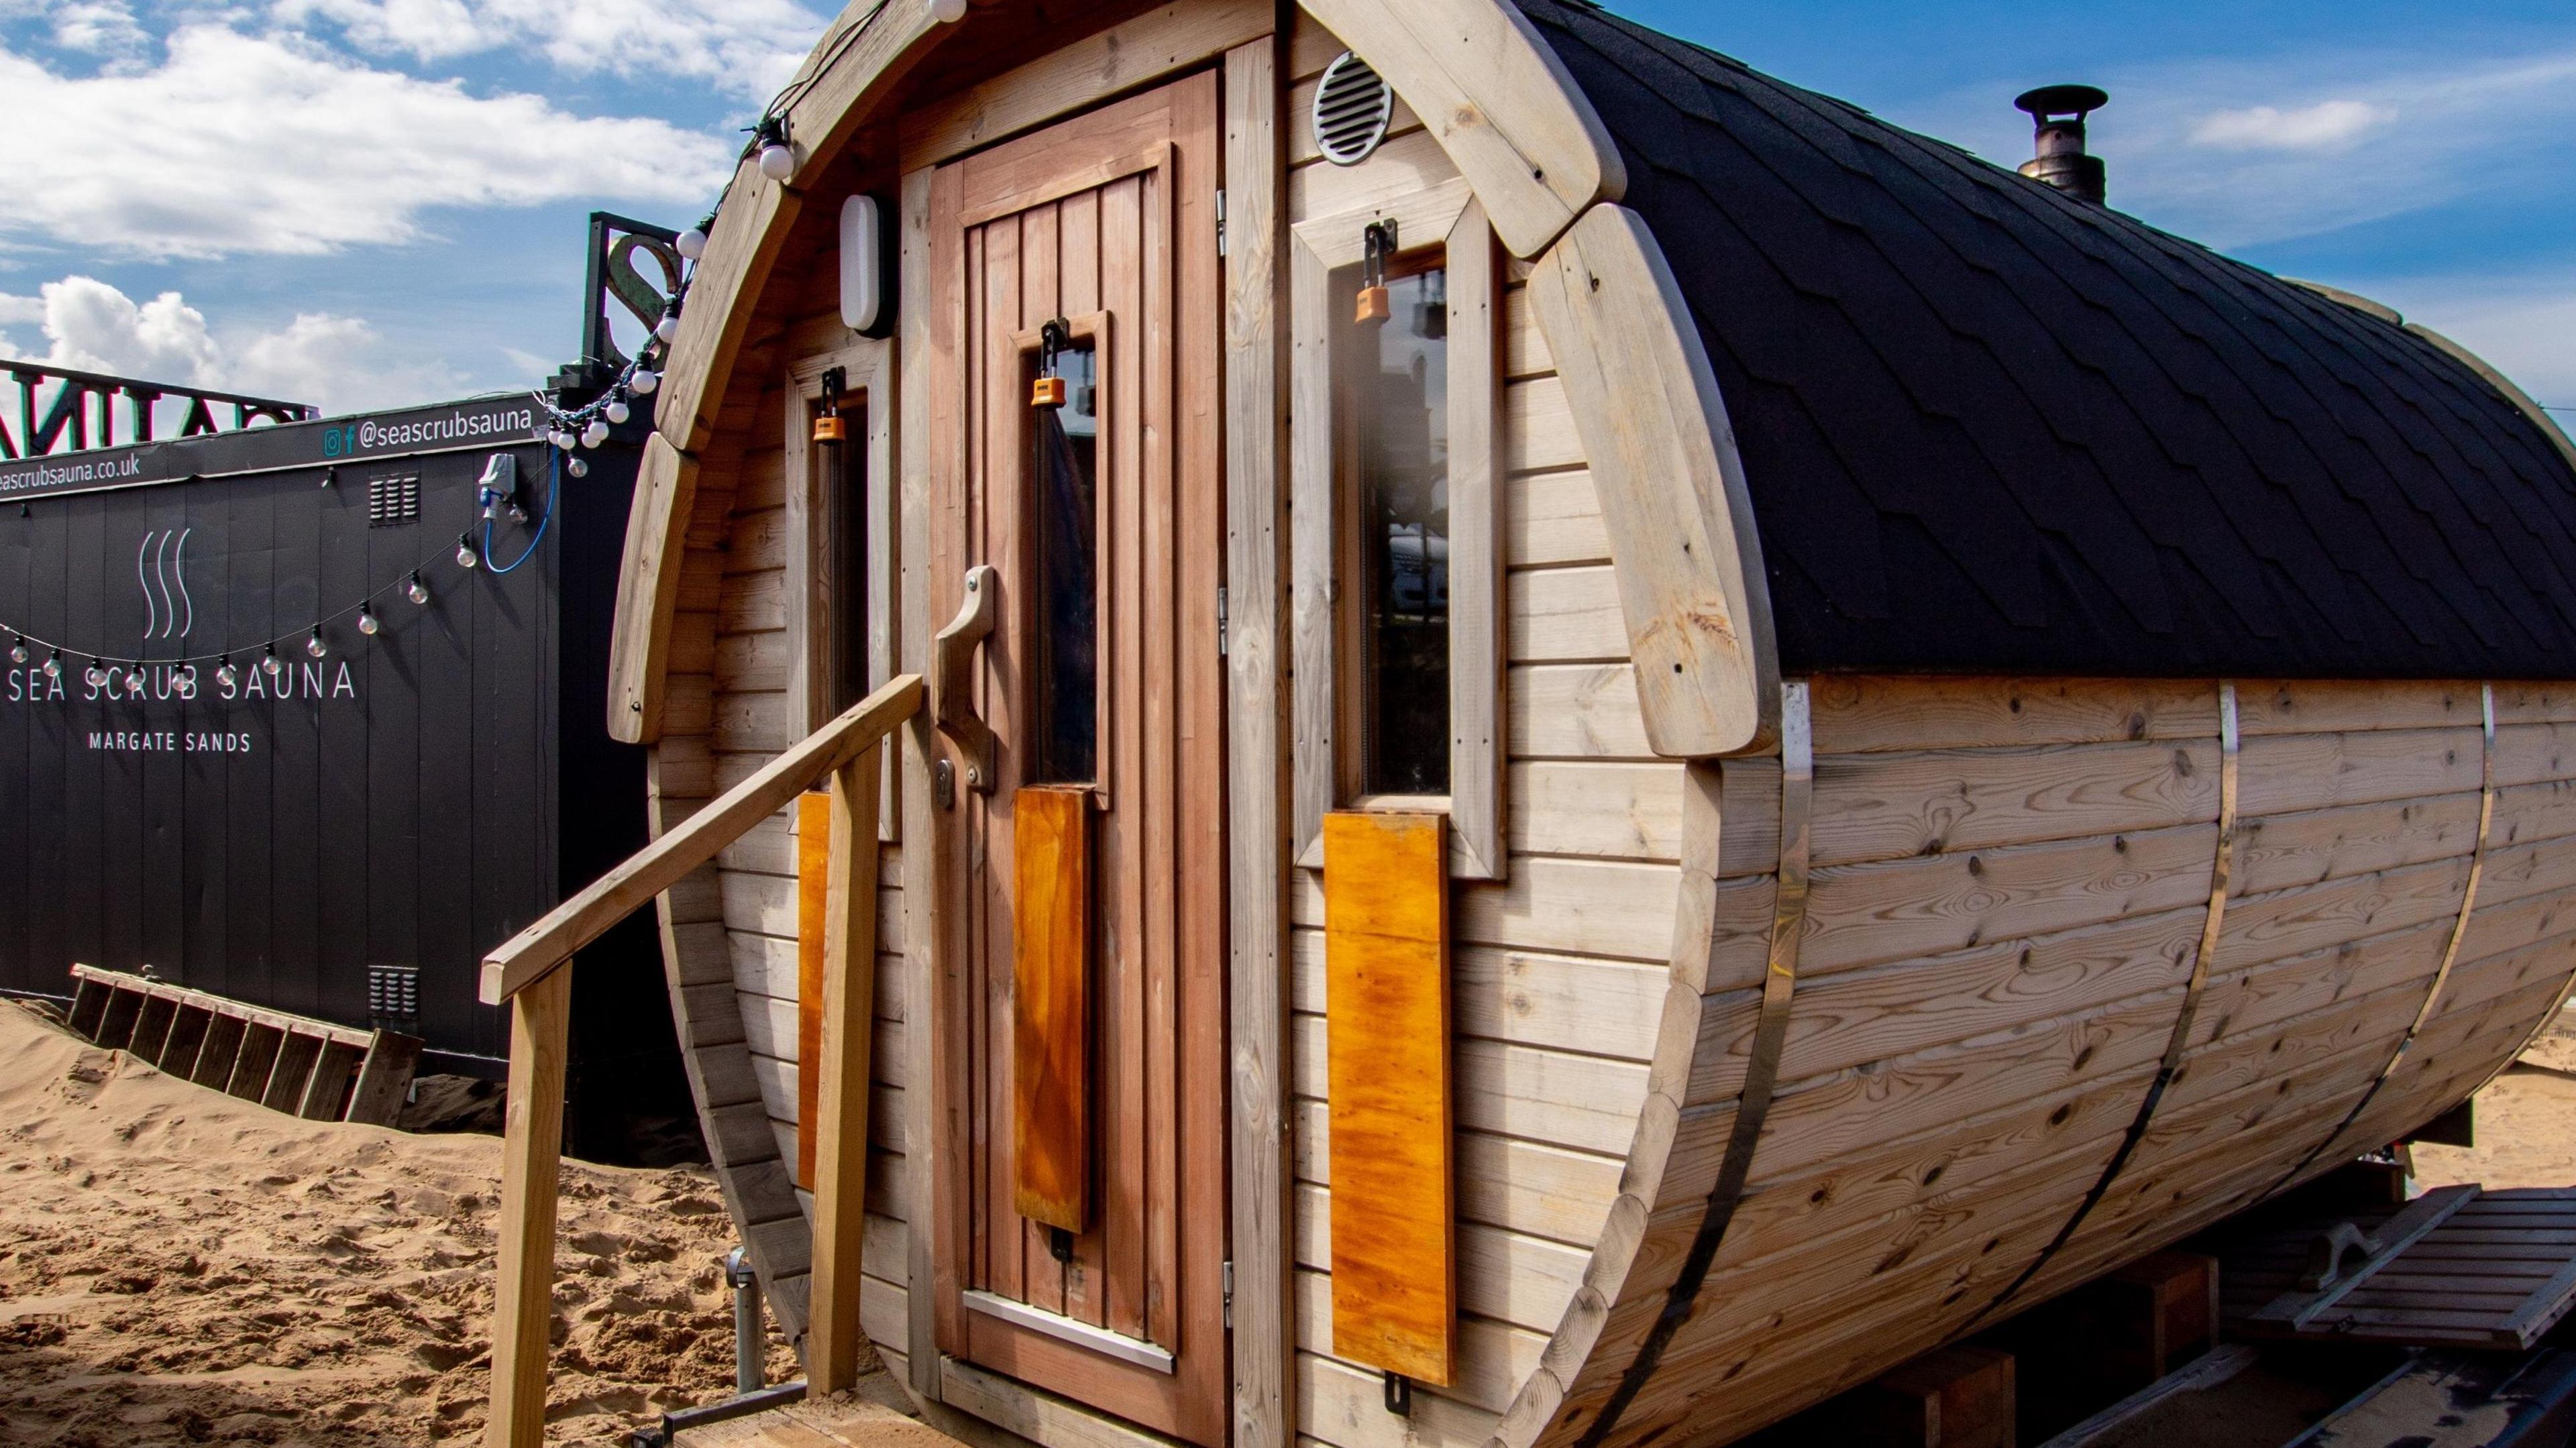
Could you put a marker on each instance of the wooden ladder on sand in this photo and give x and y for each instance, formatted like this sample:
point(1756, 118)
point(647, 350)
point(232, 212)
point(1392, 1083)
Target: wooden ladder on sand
point(309, 1068)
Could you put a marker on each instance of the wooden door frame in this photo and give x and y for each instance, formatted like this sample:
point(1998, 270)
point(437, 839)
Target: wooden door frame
point(868, 368)
point(1196, 1395)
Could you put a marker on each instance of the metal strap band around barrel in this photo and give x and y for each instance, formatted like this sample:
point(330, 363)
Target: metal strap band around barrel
point(2539, 1028)
point(2222, 871)
point(2450, 951)
point(1761, 1068)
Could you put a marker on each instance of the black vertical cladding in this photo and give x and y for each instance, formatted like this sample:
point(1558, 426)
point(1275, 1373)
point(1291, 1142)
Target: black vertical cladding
point(346, 824)
point(48, 735)
point(206, 886)
point(390, 665)
point(440, 647)
point(512, 770)
point(18, 931)
point(294, 740)
point(244, 970)
point(622, 1031)
point(163, 866)
point(412, 798)
point(86, 827)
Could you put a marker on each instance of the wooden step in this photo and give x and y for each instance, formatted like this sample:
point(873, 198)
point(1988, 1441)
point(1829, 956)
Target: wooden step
point(295, 1064)
point(2456, 1266)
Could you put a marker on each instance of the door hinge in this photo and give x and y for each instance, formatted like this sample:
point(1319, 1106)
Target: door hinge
point(1220, 621)
point(1220, 221)
point(1228, 1278)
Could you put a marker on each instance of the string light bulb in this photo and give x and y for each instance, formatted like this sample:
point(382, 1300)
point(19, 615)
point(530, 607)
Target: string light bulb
point(313, 645)
point(616, 411)
point(667, 330)
point(17, 650)
point(777, 161)
point(54, 665)
point(94, 676)
point(368, 623)
point(595, 434)
point(465, 550)
point(643, 381)
point(226, 674)
point(269, 663)
point(415, 590)
point(577, 468)
point(692, 243)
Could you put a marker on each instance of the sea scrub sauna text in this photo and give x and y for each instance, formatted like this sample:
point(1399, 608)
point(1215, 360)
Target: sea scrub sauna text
point(163, 682)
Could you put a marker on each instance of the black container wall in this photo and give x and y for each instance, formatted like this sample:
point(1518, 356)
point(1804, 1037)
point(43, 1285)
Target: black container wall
point(305, 839)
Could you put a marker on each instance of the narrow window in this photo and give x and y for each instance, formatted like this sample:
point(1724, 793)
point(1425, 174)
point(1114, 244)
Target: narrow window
point(845, 483)
point(1065, 477)
point(1398, 403)
point(1397, 537)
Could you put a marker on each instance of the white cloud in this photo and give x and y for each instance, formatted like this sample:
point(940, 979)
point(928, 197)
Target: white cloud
point(747, 48)
point(99, 27)
point(340, 363)
point(237, 143)
point(531, 367)
point(2341, 138)
point(2269, 128)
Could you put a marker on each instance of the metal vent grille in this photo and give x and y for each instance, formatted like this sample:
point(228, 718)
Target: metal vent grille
point(1353, 105)
point(393, 991)
point(391, 501)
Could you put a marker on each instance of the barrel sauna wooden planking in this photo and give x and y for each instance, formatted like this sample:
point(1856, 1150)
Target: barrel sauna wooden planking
point(1971, 738)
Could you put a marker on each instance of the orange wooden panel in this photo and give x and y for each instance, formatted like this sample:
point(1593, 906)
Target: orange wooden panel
point(813, 876)
point(1051, 1005)
point(1386, 962)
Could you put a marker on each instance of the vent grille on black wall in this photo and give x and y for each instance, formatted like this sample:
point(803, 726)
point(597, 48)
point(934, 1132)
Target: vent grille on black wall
point(392, 501)
point(393, 992)
point(1353, 106)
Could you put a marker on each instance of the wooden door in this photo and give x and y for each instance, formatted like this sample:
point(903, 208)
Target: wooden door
point(1082, 1177)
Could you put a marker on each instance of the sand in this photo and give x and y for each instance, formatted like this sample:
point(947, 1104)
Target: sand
point(180, 1267)
point(2526, 1124)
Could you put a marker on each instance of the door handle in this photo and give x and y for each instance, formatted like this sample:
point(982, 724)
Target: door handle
point(952, 686)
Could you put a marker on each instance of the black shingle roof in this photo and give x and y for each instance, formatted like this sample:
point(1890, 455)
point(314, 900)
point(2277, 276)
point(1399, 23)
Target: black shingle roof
point(1991, 428)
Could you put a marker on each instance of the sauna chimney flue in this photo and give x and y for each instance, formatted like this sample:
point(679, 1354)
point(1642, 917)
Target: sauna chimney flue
point(2057, 112)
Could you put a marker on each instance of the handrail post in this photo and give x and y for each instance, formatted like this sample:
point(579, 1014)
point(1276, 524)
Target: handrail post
point(533, 973)
point(531, 1166)
point(841, 1126)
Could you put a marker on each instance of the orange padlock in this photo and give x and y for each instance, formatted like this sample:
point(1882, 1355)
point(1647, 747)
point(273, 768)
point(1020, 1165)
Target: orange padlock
point(1049, 392)
point(1374, 306)
point(828, 427)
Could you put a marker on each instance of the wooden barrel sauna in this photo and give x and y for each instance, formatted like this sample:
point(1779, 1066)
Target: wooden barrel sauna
point(1970, 737)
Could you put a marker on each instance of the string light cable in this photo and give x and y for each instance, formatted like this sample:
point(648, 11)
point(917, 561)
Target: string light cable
point(408, 583)
point(554, 488)
point(772, 153)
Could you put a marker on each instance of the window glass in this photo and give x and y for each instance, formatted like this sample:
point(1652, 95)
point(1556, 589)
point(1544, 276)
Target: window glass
point(1401, 508)
point(1066, 474)
point(845, 480)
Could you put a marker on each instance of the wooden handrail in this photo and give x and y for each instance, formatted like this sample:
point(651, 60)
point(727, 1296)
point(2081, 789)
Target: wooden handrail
point(526, 973)
point(541, 948)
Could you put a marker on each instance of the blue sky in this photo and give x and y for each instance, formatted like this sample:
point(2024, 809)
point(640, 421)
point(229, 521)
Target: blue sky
point(365, 202)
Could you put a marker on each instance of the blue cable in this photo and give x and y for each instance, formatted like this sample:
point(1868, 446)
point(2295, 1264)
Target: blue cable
point(554, 485)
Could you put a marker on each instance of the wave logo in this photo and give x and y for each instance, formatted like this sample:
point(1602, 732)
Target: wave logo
point(161, 573)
